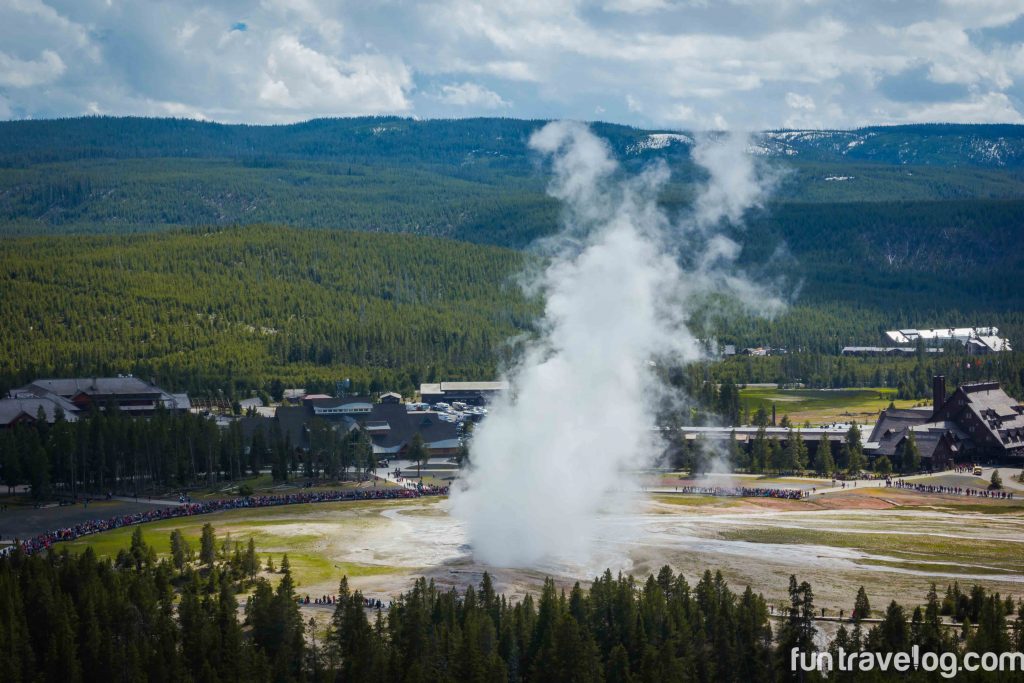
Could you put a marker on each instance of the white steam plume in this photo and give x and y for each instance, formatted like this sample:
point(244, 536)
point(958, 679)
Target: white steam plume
point(581, 413)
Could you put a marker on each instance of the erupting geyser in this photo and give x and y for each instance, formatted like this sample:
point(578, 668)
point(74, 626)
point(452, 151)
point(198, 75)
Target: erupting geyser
point(580, 414)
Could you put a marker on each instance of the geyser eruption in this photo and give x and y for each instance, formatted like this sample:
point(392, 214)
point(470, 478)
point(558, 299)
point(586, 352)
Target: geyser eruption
point(580, 415)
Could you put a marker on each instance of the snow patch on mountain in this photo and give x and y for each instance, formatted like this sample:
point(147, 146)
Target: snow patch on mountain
point(659, 141)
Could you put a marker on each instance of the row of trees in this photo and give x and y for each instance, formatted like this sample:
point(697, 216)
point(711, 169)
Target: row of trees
point(110, 451)
point(911, 377)
point(70, 617)
point(792, 454)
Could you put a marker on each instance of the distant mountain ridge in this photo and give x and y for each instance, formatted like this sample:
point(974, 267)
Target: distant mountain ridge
point(872, 208)
point(997, 146)
point(982, 145)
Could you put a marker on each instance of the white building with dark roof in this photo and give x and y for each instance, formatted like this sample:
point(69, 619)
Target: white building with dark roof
point(976, 339)
point(471, 393)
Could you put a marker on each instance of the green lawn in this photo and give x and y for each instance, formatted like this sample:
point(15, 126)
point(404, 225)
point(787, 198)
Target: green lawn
point(273, 530)
point(822, 406)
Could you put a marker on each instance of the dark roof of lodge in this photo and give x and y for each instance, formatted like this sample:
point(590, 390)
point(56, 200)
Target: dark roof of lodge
point(886, 350)
point(894, 420)
point(928, 441)
point(1001, 414)
point(106, 386)
point(402, 425)
point(443, 387)
point(12, 408)
point(331, 402)
point(292, 420)
point(927, 437)
point(389, 425)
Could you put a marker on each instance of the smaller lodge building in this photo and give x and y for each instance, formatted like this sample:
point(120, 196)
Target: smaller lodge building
point(76, 396)
point(390, 423)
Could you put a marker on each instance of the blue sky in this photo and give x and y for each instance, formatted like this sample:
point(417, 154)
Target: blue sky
point(655, 63)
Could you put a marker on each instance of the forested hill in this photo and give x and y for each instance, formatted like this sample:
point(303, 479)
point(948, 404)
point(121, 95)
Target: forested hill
point(448, 142)
point(907, 226)
point(234, 308)
point(473, 179)
point(207, 309)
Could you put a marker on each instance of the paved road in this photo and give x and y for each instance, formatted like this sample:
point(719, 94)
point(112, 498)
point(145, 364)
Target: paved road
point(1009, 476)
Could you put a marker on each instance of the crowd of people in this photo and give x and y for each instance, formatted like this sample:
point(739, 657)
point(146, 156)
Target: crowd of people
point(951, 490)
point(743, 492)
point(330, 600)
point(46, 540)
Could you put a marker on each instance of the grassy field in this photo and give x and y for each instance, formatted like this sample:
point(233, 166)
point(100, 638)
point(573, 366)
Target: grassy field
point(896, 542)
point(307, 533)
point(822, 406)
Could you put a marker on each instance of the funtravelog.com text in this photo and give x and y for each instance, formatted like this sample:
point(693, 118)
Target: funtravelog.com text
point(948, 664)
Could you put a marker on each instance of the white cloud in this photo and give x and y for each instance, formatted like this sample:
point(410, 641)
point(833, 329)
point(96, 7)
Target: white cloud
point(751, 63)
point(797, 101)
point(512, 70)
point(987, 108)
point(471, 95)
point(19, 73)
point(952, 58)
point(635, 6)
point(297, 77)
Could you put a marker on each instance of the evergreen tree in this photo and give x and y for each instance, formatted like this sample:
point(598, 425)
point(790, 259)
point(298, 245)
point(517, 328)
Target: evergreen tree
point(908, 455)
point(883, 466)
point(179, 549)
point(893, 633)
point(207, 546)
point(417, 452)
point(855, 460)
point(759, 451)
point(861, 605)
point(823, 462)
point(251, 563)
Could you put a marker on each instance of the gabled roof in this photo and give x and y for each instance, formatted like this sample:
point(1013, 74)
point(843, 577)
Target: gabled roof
point(292, 420)
point(927, 436)
point(893, 420)
point(402, 425)
point(105, 386)
point(331, 402)
point(11, 409)
point(999, 413)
